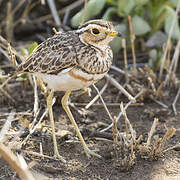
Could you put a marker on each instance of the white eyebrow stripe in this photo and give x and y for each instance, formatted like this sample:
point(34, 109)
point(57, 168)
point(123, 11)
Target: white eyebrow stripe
point(88, 27)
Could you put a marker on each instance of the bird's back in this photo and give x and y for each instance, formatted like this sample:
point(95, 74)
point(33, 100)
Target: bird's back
point(52, 55)
point(66, 50)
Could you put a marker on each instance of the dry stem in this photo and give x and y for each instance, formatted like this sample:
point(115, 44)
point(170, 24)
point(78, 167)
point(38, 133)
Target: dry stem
point(97, 96)
point(125, 59)
point(60, 12)
point(170, 132)
point(118, 86)
point(132, 37)
point(174, 62)
point(84, 12)
point(54, 12)
point(115, 131)
point(175, 101)
point(13, 161)
point(126, 106)
point(109, 114)
point(128, 124)
point(6, 126)
point(150, 134)
point(168, 41)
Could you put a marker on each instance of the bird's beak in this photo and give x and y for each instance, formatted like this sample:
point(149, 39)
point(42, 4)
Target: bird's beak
point(114, 34)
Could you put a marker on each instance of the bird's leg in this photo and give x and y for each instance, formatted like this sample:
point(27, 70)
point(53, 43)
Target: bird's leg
point(43, 86)
point(64, 102)
point(87, 90)
point(49, 105)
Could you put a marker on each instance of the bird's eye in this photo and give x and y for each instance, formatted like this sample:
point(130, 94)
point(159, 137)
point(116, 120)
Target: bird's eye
point(95, 31)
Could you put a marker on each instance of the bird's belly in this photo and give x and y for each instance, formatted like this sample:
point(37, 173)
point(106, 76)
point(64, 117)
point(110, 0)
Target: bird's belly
point(71, 80)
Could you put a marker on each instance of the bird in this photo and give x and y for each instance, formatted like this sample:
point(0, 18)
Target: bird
point(70, 61)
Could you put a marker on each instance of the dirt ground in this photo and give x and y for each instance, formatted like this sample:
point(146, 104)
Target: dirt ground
point(119, 162)
point(78, 166)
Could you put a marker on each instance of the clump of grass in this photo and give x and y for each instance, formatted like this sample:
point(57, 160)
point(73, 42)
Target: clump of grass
point(128, 146)
point(155, 149)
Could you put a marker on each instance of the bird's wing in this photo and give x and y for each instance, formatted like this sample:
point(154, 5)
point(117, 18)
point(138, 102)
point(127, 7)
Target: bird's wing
point(51, 56)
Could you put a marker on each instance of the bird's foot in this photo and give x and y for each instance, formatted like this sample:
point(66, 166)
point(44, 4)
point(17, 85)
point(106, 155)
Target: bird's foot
point(90, 153)
point(57, 156)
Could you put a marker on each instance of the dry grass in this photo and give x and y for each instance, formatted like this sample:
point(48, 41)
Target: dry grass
point(140, 84)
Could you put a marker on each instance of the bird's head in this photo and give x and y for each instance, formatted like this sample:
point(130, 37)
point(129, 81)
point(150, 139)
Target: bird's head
point(97, 33)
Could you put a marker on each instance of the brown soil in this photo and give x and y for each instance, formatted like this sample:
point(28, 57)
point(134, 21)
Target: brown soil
point(78, 166)
point(117, 162)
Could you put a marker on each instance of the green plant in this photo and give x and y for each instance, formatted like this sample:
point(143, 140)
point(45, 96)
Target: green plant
point(149, 19)
point(147, 16)
point(93, 8)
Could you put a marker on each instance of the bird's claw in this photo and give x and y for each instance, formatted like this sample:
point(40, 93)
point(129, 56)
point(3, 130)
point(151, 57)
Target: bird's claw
point(90, 153)
point(57, 156)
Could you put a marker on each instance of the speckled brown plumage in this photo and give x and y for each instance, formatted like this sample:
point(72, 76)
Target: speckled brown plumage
point(66, 50)
point(70, 61)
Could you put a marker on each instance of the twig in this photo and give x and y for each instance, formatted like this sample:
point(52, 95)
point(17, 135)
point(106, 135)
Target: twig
point(4, 41)
point(130, 102)
point(5, 54)
point(151, 132)
point(32, 129)
point(6, 126)
point(160, 103)
point(35, 119)
point(107, 104)
point(151, 83)
point(55, 31)
point(132, 37)
point(26, 11)
point(66, 17)
point(126, 106)
point(97, 96)
point(173, 63)
point(9, 22)
point(120, 70)
point(6, 81)
point(84, 12)
point(115, 131)
point(7, 95)
point(153, 151)
point(37, 154)
point(96, 134)
point(168, 41)
point(15, 163)
point(21, 2)
point(159, 90)
point(54, 12)
point(13, 57)
point(43, 2)
point(128, 124)
point(41, 148)
point(13, 143)
point(118, 86)
point(103, 102)
point(132, 156)
point(36, 101)
point(170, 132)
point(168, 56)
point(16, 113)
point(175, 101)
point(60, 12)
point(125, 60)
point(171, 148)
point(176, 59)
